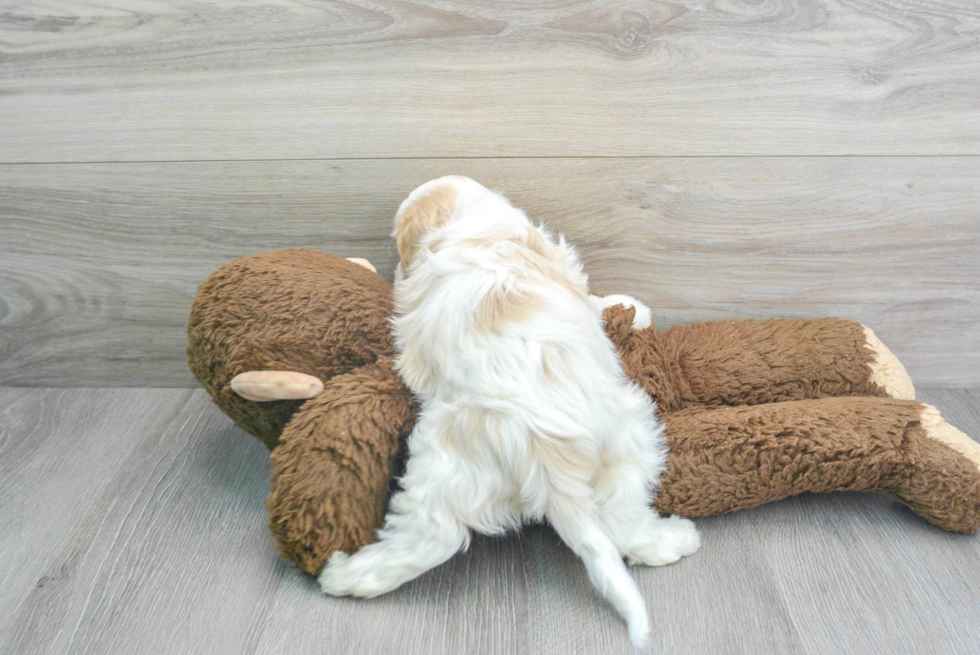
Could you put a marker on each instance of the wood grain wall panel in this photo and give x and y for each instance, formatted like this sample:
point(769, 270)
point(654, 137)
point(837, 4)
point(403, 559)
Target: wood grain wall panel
point(284, 79)
point(100, 262)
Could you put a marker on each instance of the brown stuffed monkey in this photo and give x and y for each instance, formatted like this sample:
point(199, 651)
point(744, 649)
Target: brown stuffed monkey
point(295, 346)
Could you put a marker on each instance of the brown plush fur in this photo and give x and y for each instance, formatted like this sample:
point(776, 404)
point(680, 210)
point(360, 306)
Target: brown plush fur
point(285, 310)
point(744, 362)
point(755, 411)
point(330, 472)
point(724, 459)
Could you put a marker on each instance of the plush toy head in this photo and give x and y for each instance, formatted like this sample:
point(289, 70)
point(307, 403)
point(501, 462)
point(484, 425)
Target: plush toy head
point(309, 314)
point(754, 411)
point(286, 310)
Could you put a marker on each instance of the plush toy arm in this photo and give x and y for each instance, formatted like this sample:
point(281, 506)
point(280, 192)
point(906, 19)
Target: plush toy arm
point(642, 317)
point(755, 362)
point(331, 470)
point(724, 459)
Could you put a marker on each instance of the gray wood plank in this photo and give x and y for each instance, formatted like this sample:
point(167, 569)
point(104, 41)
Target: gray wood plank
point(59, 451)
point(475, 603)
point(723, 599)
point(144, 532)
point(862, 573)
point(89, 81)
point(100, 262)
point(172, 556)
point(529, 594)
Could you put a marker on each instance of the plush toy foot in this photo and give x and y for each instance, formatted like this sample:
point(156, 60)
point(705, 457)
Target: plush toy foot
point(941, 481)
point(668, 540)
point(937, 428)
point(886, 371)
point(264, 386)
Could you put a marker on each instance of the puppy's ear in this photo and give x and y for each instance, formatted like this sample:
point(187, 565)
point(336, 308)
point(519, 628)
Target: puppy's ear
point(427, 212)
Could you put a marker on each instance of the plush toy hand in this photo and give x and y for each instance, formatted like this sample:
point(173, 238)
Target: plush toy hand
point(642, 317)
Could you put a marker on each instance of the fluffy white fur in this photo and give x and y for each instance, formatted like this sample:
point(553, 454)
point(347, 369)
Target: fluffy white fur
point(526, 414)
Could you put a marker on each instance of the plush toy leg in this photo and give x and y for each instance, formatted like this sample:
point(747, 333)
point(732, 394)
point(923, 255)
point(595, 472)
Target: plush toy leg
point(331, 469)
point(756, 362)
point(730, 458)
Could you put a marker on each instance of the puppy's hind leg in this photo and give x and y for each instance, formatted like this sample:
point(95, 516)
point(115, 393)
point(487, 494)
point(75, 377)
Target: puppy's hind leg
point(623, 482)
point(574, 519)
point(414, 540)
point(420, 533)
point(640, 534)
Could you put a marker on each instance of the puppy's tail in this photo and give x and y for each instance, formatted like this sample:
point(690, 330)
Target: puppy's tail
point(574, 519)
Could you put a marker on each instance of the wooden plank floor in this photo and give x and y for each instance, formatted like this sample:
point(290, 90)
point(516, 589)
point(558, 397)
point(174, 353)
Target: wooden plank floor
point(132, 520)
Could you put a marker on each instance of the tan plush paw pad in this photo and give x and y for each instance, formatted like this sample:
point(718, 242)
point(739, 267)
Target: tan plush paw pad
point(886, 371)
point(264, 386)
point(938, 429)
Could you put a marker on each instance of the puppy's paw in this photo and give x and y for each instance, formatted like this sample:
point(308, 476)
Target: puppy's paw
point(334, 578)
point(669, 540)
point(643, 317)
point(363, 575)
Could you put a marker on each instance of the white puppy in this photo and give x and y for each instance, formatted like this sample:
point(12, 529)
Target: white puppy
point(525, 411)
